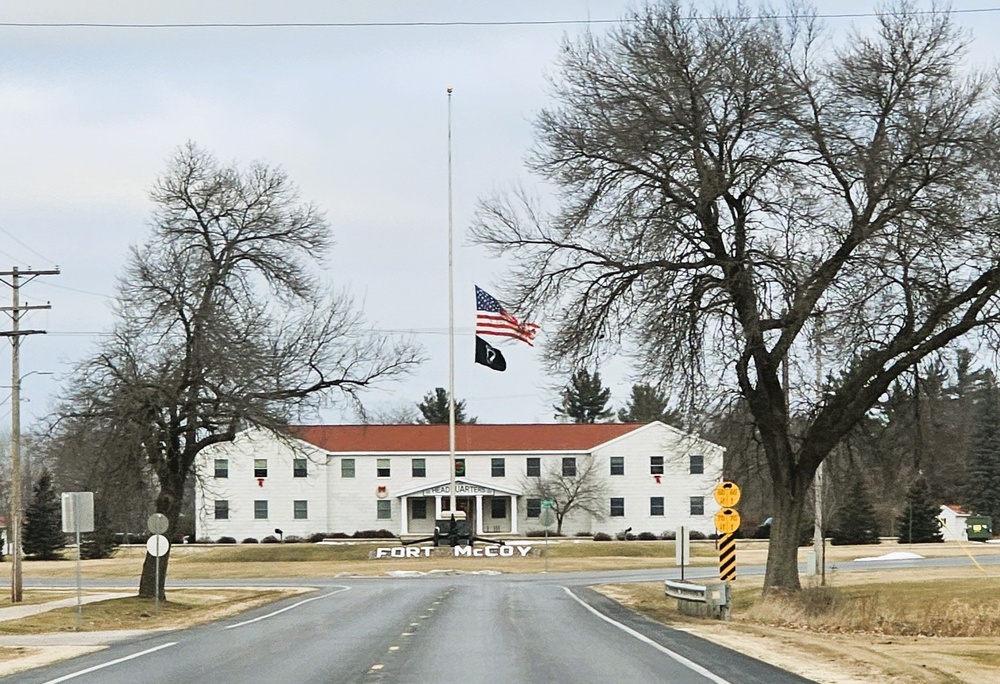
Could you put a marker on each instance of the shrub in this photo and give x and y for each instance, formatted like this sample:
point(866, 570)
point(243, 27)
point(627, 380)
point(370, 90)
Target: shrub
point(625, 536)
point(695, 534)
point(269, 539)
point(316, 537)
point(249, 540)
point(668, 536)
point(646, 536)
point(225, 540)
point(293, 539)
point(337, 535)
point(541, 533)
point(583, 534)
point(602, 536)
point(374, 534)
point(202, 540)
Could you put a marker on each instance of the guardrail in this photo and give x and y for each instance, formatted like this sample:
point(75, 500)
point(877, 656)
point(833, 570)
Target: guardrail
point(700, 600)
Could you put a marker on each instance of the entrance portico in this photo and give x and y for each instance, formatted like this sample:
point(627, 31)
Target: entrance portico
point(469, 496)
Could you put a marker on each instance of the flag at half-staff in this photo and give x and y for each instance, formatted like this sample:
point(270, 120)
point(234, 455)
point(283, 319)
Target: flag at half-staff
point(489, 356)
point(493, 319)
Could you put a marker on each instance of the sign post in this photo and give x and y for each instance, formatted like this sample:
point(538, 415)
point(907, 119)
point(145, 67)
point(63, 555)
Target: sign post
point(157, 546)
point(547, 518)
point(682, 548)
point(77, 517)
point(727, 521)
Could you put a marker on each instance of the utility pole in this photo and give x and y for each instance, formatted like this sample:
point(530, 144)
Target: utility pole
point(819, 549)
point(15, 334)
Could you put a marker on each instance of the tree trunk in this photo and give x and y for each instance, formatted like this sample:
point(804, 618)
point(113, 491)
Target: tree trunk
point(169, 504)
point(782, 572)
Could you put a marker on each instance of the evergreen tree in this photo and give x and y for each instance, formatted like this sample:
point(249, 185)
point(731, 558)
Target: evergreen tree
point(856, 519)
point(585, 399)
point(434, 408)
point(646, 405)
point(43, 535)
point(982, 485)
point(918, 522)
point(101, 542)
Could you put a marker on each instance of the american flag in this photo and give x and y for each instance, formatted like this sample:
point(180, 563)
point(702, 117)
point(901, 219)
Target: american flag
point(493, 319)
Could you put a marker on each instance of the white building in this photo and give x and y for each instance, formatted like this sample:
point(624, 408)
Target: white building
point(953, 523)
point(345, 478)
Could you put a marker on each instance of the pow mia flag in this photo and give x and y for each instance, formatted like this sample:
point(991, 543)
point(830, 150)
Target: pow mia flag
point(489, 356)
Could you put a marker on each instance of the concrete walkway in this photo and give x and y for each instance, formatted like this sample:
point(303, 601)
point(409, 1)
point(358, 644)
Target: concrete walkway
point(22, 610)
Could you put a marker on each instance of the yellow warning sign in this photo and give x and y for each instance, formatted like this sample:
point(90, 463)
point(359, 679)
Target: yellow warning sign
point(727, 520)
point(727, 494)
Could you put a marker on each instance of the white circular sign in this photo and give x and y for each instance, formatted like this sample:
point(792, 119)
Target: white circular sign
point(157, 523)
point(157, 545)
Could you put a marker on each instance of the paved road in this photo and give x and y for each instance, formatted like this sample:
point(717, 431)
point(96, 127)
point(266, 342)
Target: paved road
point(437, 629)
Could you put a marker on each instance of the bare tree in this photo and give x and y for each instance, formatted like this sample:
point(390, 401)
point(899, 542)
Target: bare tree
point(222, 325)
point(583, 488)
point(734, 193)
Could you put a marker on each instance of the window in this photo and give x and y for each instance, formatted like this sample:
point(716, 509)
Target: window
point(697, 464)
point(498, 467)
point(656, 505)
point(382, 468)
point(617, 507)
point(298, 467)
point(347, 467)
point(534, 507)
point(222, 467)
point(384, 510)
point(418, 508)
point(534, 467)
point(222, 509)
point(260, 510)
point(300, 510)
point(418, 467)
point(617, 465)
point(498, 509)
point(569, 467)
point(697, 505)
point(655, 465)
point(260, 467)
point(459, 467)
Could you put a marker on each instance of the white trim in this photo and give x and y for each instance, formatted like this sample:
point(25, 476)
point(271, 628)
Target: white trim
point(461, 480)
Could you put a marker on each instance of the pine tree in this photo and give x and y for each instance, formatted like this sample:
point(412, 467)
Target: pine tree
point(434, 408)
point(585, 399)
point(857, 523)
point(646, 405)
point(918, 522)
point(101, 542)
point(43, 535)
point(982, 484)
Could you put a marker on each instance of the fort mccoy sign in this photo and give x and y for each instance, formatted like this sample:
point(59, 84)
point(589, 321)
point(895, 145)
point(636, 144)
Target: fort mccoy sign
point(462, 551)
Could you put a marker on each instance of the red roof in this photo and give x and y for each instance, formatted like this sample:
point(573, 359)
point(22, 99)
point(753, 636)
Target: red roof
point(476, 437)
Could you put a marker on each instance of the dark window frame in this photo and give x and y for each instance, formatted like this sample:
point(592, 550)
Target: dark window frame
point(697, 505)
point(221, 468)
point(656, 465)
point(222, 511)
point(498, 467)
point(260, 471)
point(696, 464)
point(300, 467)
point(496, 504)
point(617, 464)
point(569, 466)
point(383, 470)
point(533, 508)
point(258, 509)
point(533, 466)
point(383, 509)
point(348, 468)
point(418, 467)
point(418, 509)
point(295, 509)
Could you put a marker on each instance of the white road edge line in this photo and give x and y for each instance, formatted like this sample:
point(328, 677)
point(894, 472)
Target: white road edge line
point(74, 675)
point(294, 605)
point(690, 664)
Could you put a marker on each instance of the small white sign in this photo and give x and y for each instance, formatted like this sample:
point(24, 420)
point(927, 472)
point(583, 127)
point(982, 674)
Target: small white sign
point(157, 545)
point(77, 512)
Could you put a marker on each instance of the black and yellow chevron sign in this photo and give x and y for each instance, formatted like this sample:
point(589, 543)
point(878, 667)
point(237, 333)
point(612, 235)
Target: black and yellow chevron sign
point(727, 557)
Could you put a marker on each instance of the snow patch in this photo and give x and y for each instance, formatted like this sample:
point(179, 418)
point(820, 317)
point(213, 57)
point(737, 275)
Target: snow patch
point(896, 555)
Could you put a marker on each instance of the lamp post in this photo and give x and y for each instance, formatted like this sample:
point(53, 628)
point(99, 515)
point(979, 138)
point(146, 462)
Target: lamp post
point(14, 533)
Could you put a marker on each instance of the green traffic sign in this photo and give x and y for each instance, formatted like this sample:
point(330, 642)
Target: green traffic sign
point(548, 503)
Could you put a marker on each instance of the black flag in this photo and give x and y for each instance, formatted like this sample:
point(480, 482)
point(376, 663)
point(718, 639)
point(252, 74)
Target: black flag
point(489, 355)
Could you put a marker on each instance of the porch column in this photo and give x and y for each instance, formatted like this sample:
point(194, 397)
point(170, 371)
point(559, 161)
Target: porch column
point(513, 514)
point(479, 514)
point(437, 507)
point(404, 518)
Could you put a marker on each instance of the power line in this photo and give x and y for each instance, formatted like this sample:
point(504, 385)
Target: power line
point(439, 24)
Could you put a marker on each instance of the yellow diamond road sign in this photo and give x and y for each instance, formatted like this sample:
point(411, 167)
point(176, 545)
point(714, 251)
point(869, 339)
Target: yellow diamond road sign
point(727, 494)
point(727, 520)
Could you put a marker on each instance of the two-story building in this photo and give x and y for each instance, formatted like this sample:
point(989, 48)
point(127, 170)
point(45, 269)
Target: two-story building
point(345, 478)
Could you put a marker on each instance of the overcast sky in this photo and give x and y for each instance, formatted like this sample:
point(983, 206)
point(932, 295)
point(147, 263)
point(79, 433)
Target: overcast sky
point(356, 115)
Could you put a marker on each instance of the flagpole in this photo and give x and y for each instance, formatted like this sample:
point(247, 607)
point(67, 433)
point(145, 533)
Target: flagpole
point(451, 327)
